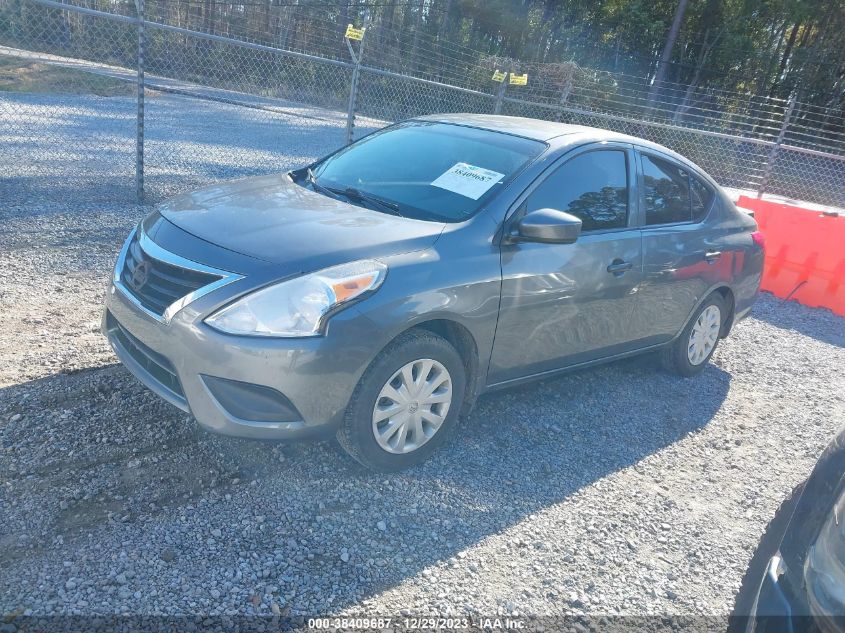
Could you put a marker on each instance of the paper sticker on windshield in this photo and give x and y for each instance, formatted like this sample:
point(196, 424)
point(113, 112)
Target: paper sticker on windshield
point(468, 180)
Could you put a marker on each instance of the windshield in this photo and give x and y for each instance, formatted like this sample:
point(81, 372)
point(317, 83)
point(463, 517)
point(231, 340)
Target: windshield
point(426, 171)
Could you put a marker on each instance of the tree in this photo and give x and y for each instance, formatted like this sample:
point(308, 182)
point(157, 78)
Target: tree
point(663, 62)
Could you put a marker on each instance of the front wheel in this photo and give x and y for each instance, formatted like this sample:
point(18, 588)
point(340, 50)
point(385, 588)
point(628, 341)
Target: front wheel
point(405, 404)
point(689, 353)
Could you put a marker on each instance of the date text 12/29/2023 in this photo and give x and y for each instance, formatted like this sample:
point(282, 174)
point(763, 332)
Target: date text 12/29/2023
point(415, 623)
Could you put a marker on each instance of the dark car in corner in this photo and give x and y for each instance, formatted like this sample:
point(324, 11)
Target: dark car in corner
point(376, 293)
point(795, 582)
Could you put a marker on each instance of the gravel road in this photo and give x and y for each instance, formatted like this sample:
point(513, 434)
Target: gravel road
point(615, 490)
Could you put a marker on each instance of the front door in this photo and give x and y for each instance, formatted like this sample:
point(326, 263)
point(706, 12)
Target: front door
point(563, 304)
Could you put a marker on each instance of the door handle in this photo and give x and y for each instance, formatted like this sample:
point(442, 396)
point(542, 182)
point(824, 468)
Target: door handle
point(619, 267)
point(712, 256)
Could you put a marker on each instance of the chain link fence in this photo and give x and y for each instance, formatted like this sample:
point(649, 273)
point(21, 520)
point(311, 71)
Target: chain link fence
point(219, 104)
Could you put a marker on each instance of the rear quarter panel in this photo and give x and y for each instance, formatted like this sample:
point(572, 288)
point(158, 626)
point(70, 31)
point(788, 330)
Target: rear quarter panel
point(746, 265)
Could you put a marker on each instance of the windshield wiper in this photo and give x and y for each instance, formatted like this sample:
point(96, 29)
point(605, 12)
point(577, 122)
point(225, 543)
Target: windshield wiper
point(360, 196)
point(312, 180)
point(351, 193)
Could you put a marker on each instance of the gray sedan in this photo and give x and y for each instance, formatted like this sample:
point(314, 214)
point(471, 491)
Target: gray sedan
point(375, 294)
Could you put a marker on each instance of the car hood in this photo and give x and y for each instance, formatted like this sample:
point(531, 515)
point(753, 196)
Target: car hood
point(276, 220)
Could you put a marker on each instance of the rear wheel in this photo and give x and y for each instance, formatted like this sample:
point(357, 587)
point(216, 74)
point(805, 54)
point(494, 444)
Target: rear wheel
point(405, 404)
point(689, 353)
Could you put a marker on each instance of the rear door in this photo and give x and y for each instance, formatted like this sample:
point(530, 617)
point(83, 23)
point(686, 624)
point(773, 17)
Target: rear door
point(568, 303)
point(682, 257)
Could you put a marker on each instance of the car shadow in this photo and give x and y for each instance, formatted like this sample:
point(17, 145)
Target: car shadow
point(107, 460)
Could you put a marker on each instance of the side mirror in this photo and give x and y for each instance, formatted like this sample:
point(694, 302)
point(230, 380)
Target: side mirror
point(548, 225)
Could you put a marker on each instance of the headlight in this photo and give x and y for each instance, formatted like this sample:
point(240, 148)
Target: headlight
point(296, 307)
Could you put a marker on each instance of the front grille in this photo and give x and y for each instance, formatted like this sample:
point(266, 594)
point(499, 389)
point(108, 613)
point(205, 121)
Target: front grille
point(153, 363)
point(158, 284)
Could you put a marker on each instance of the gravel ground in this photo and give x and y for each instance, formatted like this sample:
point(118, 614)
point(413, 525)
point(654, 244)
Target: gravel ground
point(615, 490)
point(583, 494)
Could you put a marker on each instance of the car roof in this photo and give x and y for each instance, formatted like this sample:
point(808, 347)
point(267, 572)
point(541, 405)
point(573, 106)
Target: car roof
point(546, 131)
point(521, 126)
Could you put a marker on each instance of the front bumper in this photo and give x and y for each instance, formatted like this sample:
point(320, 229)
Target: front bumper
point(309, 380)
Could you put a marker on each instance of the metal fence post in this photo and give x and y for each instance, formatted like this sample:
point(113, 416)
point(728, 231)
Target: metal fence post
point(500, 95)
point(773, 154)
point(353, 88)
point(350, 110)
point(139, 138)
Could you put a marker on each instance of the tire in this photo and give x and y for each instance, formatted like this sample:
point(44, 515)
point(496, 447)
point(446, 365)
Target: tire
point(766, 548)
point(676, 356)
point(357, 432)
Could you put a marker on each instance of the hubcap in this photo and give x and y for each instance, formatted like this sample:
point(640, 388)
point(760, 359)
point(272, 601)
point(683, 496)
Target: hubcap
point(412, 406)
point(704, 334)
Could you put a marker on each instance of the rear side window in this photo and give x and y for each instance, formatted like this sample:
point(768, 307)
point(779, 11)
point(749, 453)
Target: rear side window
point(702, 197)
point(592, 186)
point(672, 194)
point(667, 196)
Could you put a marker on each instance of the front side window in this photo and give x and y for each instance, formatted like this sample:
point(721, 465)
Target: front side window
point(592, 186)
point(426, 170)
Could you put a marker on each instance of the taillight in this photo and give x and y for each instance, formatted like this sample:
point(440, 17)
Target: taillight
point(759, 239)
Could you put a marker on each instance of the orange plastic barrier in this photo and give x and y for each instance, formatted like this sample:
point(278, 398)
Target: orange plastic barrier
point(805, 253)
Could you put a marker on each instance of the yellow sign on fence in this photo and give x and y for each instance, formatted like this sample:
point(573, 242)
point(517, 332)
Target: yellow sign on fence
point(355, 34)
point(498, 75)
point(519, 80)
